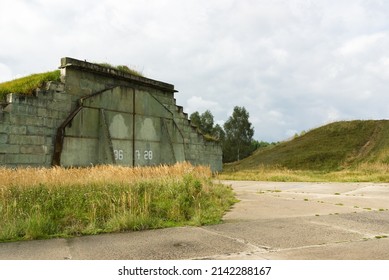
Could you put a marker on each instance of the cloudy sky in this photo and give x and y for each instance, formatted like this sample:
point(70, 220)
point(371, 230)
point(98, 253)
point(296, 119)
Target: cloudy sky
point(293, 64)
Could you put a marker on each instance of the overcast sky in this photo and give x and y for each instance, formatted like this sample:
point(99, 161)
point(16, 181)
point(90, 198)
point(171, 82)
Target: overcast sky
point(294, 65)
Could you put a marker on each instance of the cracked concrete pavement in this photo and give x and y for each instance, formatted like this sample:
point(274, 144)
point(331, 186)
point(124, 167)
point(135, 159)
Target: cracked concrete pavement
point(272, 221)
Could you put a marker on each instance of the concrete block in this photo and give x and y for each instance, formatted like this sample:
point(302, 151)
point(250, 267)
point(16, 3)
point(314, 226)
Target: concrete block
point(32, 149)
point(22, 109)
point(37, 121)
point(50, 122)
point(24, 159)
point(3, 138)
point(62, 115)
point(50, 140)
point(26, 139)
point(40, 102)
point(61, 96)
point(4, 118)
point(41, 112)
point(30, 110)
point(59, 106)
point(52, 114)
point(38, 130)
point(17, 129)
point(12, 129)
point(45, 95)
point(55, 86)
point(55, 114)
point(25, 120)
point(9, 149)
point(49, 159)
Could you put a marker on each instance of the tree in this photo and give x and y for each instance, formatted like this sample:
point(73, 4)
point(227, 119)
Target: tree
point(204, 122)
point(238, 135)
point(195, 119)
point(219, 133)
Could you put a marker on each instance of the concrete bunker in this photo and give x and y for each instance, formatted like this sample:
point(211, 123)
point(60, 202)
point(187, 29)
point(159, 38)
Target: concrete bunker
point(100, 115)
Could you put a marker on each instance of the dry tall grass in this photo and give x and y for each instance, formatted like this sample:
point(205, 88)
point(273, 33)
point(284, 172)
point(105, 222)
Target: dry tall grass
point(105, 174)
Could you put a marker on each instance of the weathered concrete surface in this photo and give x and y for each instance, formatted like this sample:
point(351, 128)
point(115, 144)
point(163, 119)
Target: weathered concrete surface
point(272, 221)
point(99, 115)
point(311, 220)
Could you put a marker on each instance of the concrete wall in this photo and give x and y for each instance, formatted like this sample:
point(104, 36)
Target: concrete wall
point(99, 115)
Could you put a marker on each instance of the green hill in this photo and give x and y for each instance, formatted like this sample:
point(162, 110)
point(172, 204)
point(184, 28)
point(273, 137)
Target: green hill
point(333, 147)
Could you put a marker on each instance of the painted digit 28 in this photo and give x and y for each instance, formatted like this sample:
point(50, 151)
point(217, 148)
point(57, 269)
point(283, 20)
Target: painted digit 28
point(148, 155)
point(118, 154)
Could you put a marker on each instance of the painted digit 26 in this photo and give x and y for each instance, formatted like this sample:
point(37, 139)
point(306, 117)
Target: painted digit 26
point(118, 154)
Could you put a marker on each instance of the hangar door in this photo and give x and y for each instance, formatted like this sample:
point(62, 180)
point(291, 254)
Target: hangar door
point(121, 126)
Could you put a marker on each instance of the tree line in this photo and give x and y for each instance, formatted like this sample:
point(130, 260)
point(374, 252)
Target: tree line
point(236, 135)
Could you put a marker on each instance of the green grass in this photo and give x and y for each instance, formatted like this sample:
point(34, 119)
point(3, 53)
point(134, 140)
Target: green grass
point(91, 206)
point(27, 85)
point(364, 173)
point(381, 236)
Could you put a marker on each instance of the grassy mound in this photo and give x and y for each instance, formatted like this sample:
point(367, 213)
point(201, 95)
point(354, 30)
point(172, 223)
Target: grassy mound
point(28, 84)
point(340, 151)
point(43, 203)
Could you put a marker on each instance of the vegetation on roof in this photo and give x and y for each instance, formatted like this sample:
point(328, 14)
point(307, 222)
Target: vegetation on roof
point(28, 84)
point(122, 68)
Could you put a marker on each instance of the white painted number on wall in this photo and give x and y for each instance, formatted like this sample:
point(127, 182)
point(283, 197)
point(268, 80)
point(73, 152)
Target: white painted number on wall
point(118, 154)
point(148, 155)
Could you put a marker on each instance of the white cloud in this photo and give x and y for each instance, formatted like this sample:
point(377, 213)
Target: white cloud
point(361, 44)
point(197, 103)
point(291, 133)
point(5, 73)
point(292, 64)
point(380, 68)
